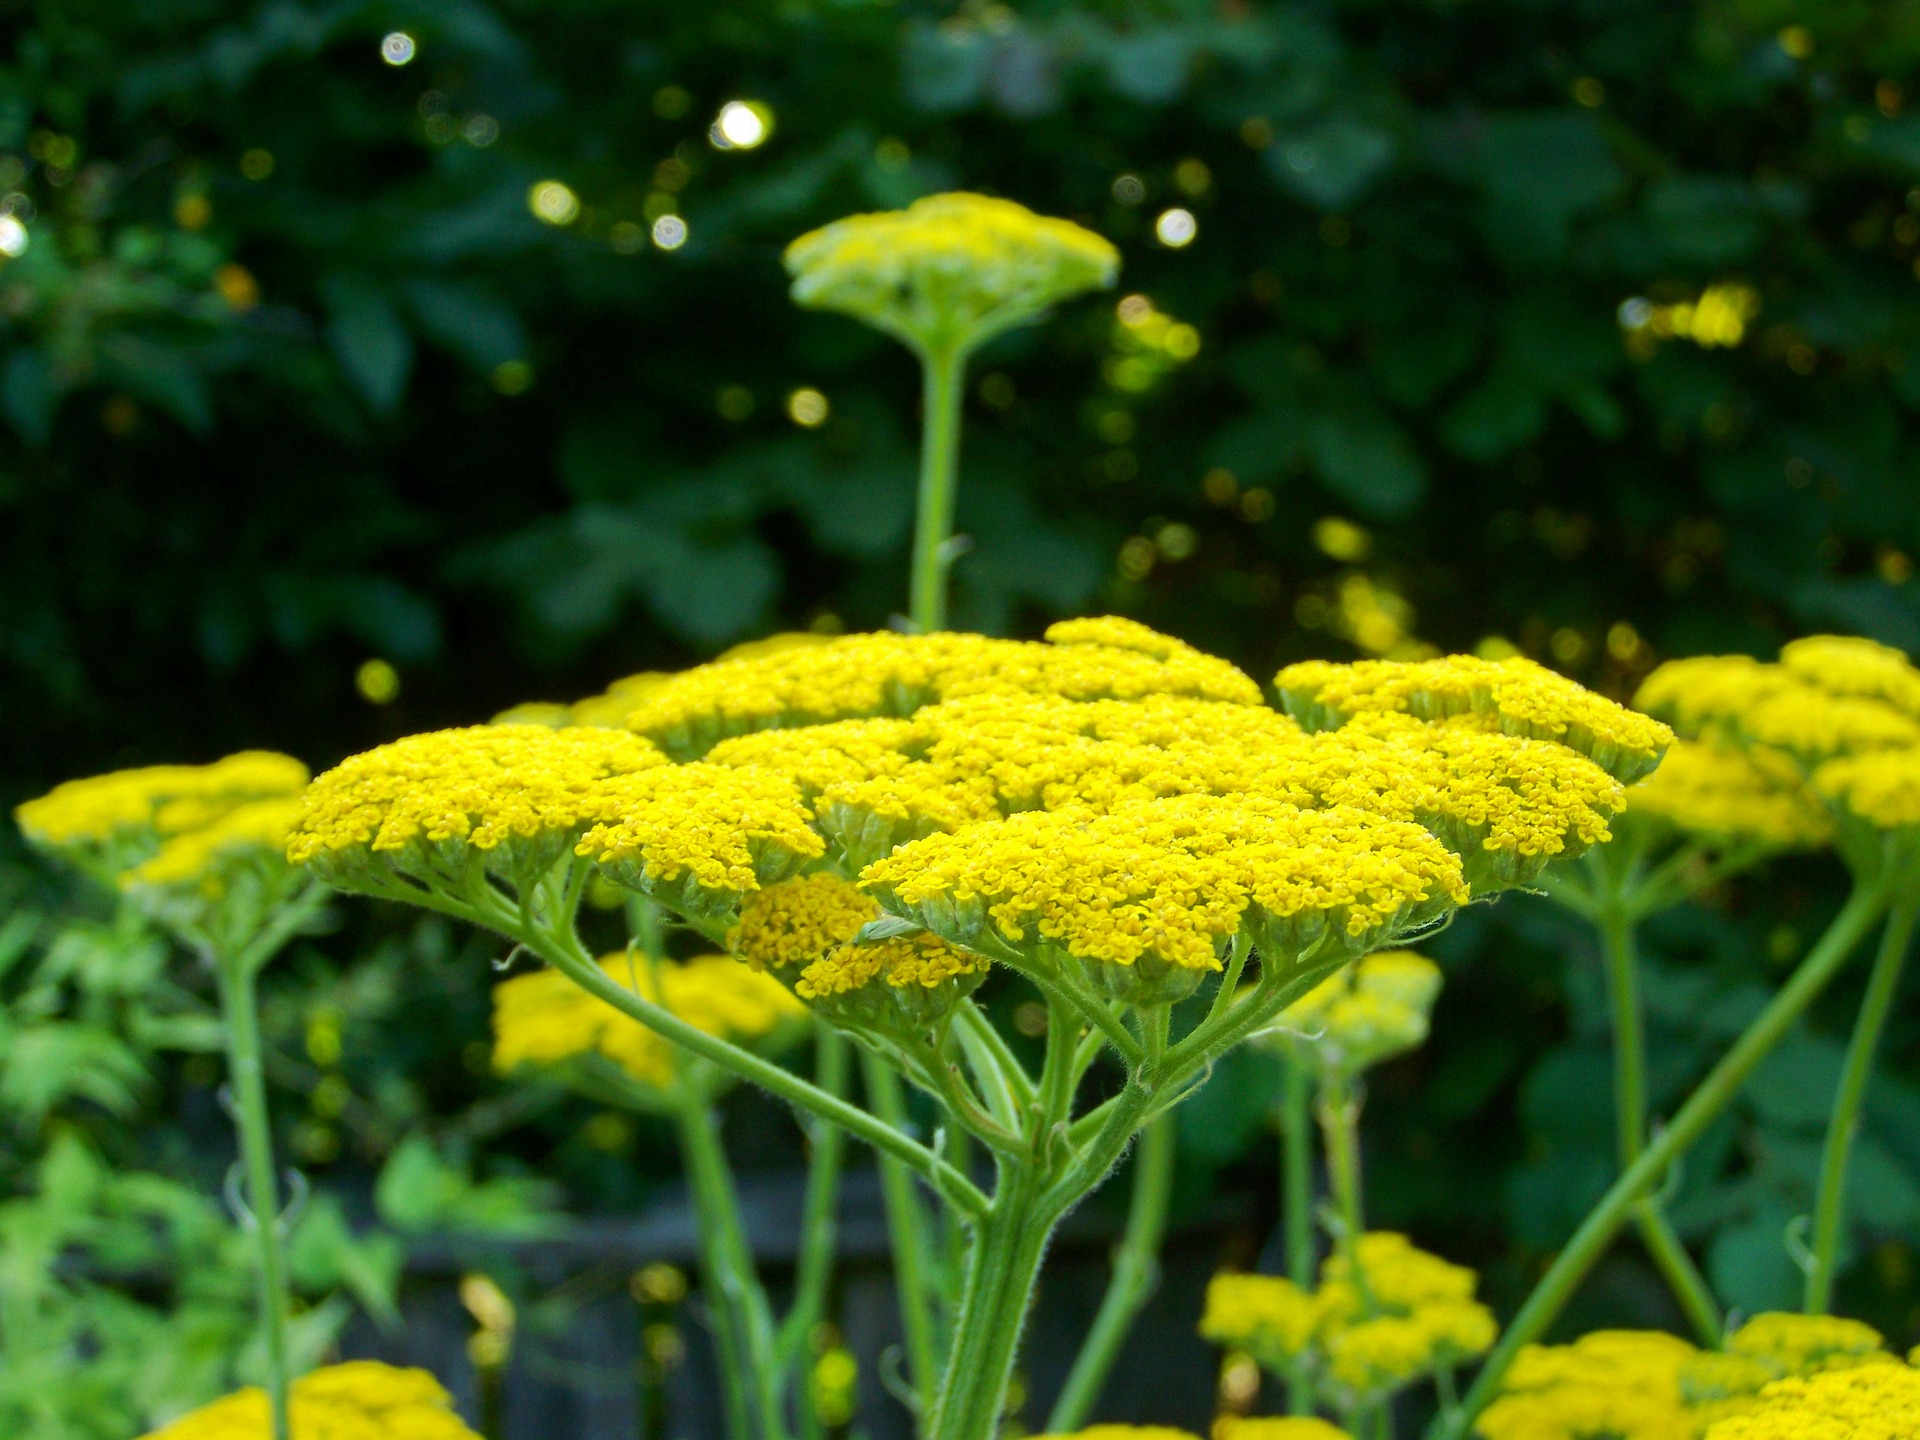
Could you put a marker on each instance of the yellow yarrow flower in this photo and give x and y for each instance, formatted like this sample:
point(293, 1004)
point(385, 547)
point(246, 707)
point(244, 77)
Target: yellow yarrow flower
point(1269, 1317)
point(1618, 1383)
point(360, 1400)
point(1870, 1402)
point(1516, 695)
point(803, 930)
point(1277, 1427)
point(1836, 695)
point(1880, 791)
point(1145, 897)
point(109, 821)
point(514, 797)
point(1715, 791)
point(1122, 1432)
point(1374, 1009)
point(949, 271)
point(1851, 665)
point(1807, 1344)
point(545, 1019)
point(884, 674)
point(1391, 1313)
point(204, 861)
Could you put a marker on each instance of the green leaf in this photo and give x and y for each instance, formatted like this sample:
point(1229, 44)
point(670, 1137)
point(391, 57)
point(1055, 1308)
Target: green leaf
point(29, 394)
point(1750, 1266)
point(1331, 165)
point(1365, 459)
point(369, 340)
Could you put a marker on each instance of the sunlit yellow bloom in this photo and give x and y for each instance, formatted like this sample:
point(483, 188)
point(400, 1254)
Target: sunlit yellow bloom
point(1392, 1313)
point(1870, 1402)
point(701, 837)
point(1880, 789)
point(1149, 893)
point(1648, 1360)
point(1616, 1383)
point(1713, 790)
point(1276, 1427)
point(513, 794)
point(1269, 1317)
point(1811, 725)
point(1519, 697)
point(1852, 665)
point(1375, 1008)
point(1122, 1432)
point(131, 810)
point(611, 707)
point(948, 271)
point(204, 860)
point(544, 1018)
point(786, 927)
point(536, 712)
point(1808, 1344)
point(360, 1400)
point(1704, 692)
point(861, 676)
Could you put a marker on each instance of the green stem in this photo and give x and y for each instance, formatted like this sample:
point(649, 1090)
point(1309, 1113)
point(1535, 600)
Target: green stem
point(561, 949)
point(240, 1006)
point(742, 1326)
point(1830, 1210)
point(1339, 1111)
point(814, 1272)
point(1136, 1271)
point(906, 1229)
point(943, 372)
point(1630, 1121)
point(1712, 1096)
point(1008, 1245)
point(1296, 1163)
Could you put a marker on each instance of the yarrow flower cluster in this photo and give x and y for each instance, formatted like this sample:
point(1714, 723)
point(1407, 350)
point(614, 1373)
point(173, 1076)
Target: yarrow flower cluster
point(1385, 1314)
point(949, 270)
point(1375, 1009)
point(1721, 793)
point(1835, 724)
point(1877, 1402)
point(1645, 1385)
point(361, 1400)
point(544, 1019)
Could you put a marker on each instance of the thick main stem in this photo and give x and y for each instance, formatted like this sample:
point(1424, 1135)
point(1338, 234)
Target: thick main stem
point(943, 372)
point(1136, 1270)
point(1630, 1121)
point(239, 1003)
point(1831, 1207)
point(1712, 1096)
point(1009, 1243)
point(743, 1331)
point(906, 1230)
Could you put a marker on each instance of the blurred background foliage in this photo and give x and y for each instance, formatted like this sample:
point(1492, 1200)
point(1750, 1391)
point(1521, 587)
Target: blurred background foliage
point(369, 366)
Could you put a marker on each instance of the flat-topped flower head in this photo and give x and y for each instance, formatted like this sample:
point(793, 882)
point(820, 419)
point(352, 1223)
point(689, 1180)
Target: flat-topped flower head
point(545, 1020)
point(1713, 791)
point(1122, 1432)
point(1853, 665)
point(1268, 1316)
point(804, 931)
point(1875, 802)
point(1277, 1427)
point(438, 808)
point(700, 838)
point(1702, 694)
point(1391, 1313)
point(1374, 1009)
point(884, 674)
point(1142, 900)
point(1869, 1402)
point(1793, 1344)
point(360, 1400)
point(107, 822)
point(1615, 1383)
point(1516, 696)
point(949, 271)
point(218, 884)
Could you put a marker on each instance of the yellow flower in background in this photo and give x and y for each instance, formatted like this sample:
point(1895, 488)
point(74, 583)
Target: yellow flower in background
point(1852, 665)
point(1515, 695)
point(1719, 792)
point(1123, 1432)
point(1791, 1344)
point(1622, 1383)
point(1277, 1427)
point(1268, 1316)
point(545, 1019)
point(949, 271)
point(205, 860)
point(115, 819)
point(360, 1400)
point(1374, 1009)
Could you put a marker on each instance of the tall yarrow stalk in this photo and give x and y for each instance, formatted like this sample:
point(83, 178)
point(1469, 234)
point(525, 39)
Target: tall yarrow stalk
point(943, 277)
point(1833, 732)
point(201, 850)
point(879, 821)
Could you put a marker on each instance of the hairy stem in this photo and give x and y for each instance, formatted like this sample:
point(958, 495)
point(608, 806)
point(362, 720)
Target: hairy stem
point(240, 1006)
point(1712, 1096)
point(1830, 1209)
point(826, 1146)
point(1136, 1271)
